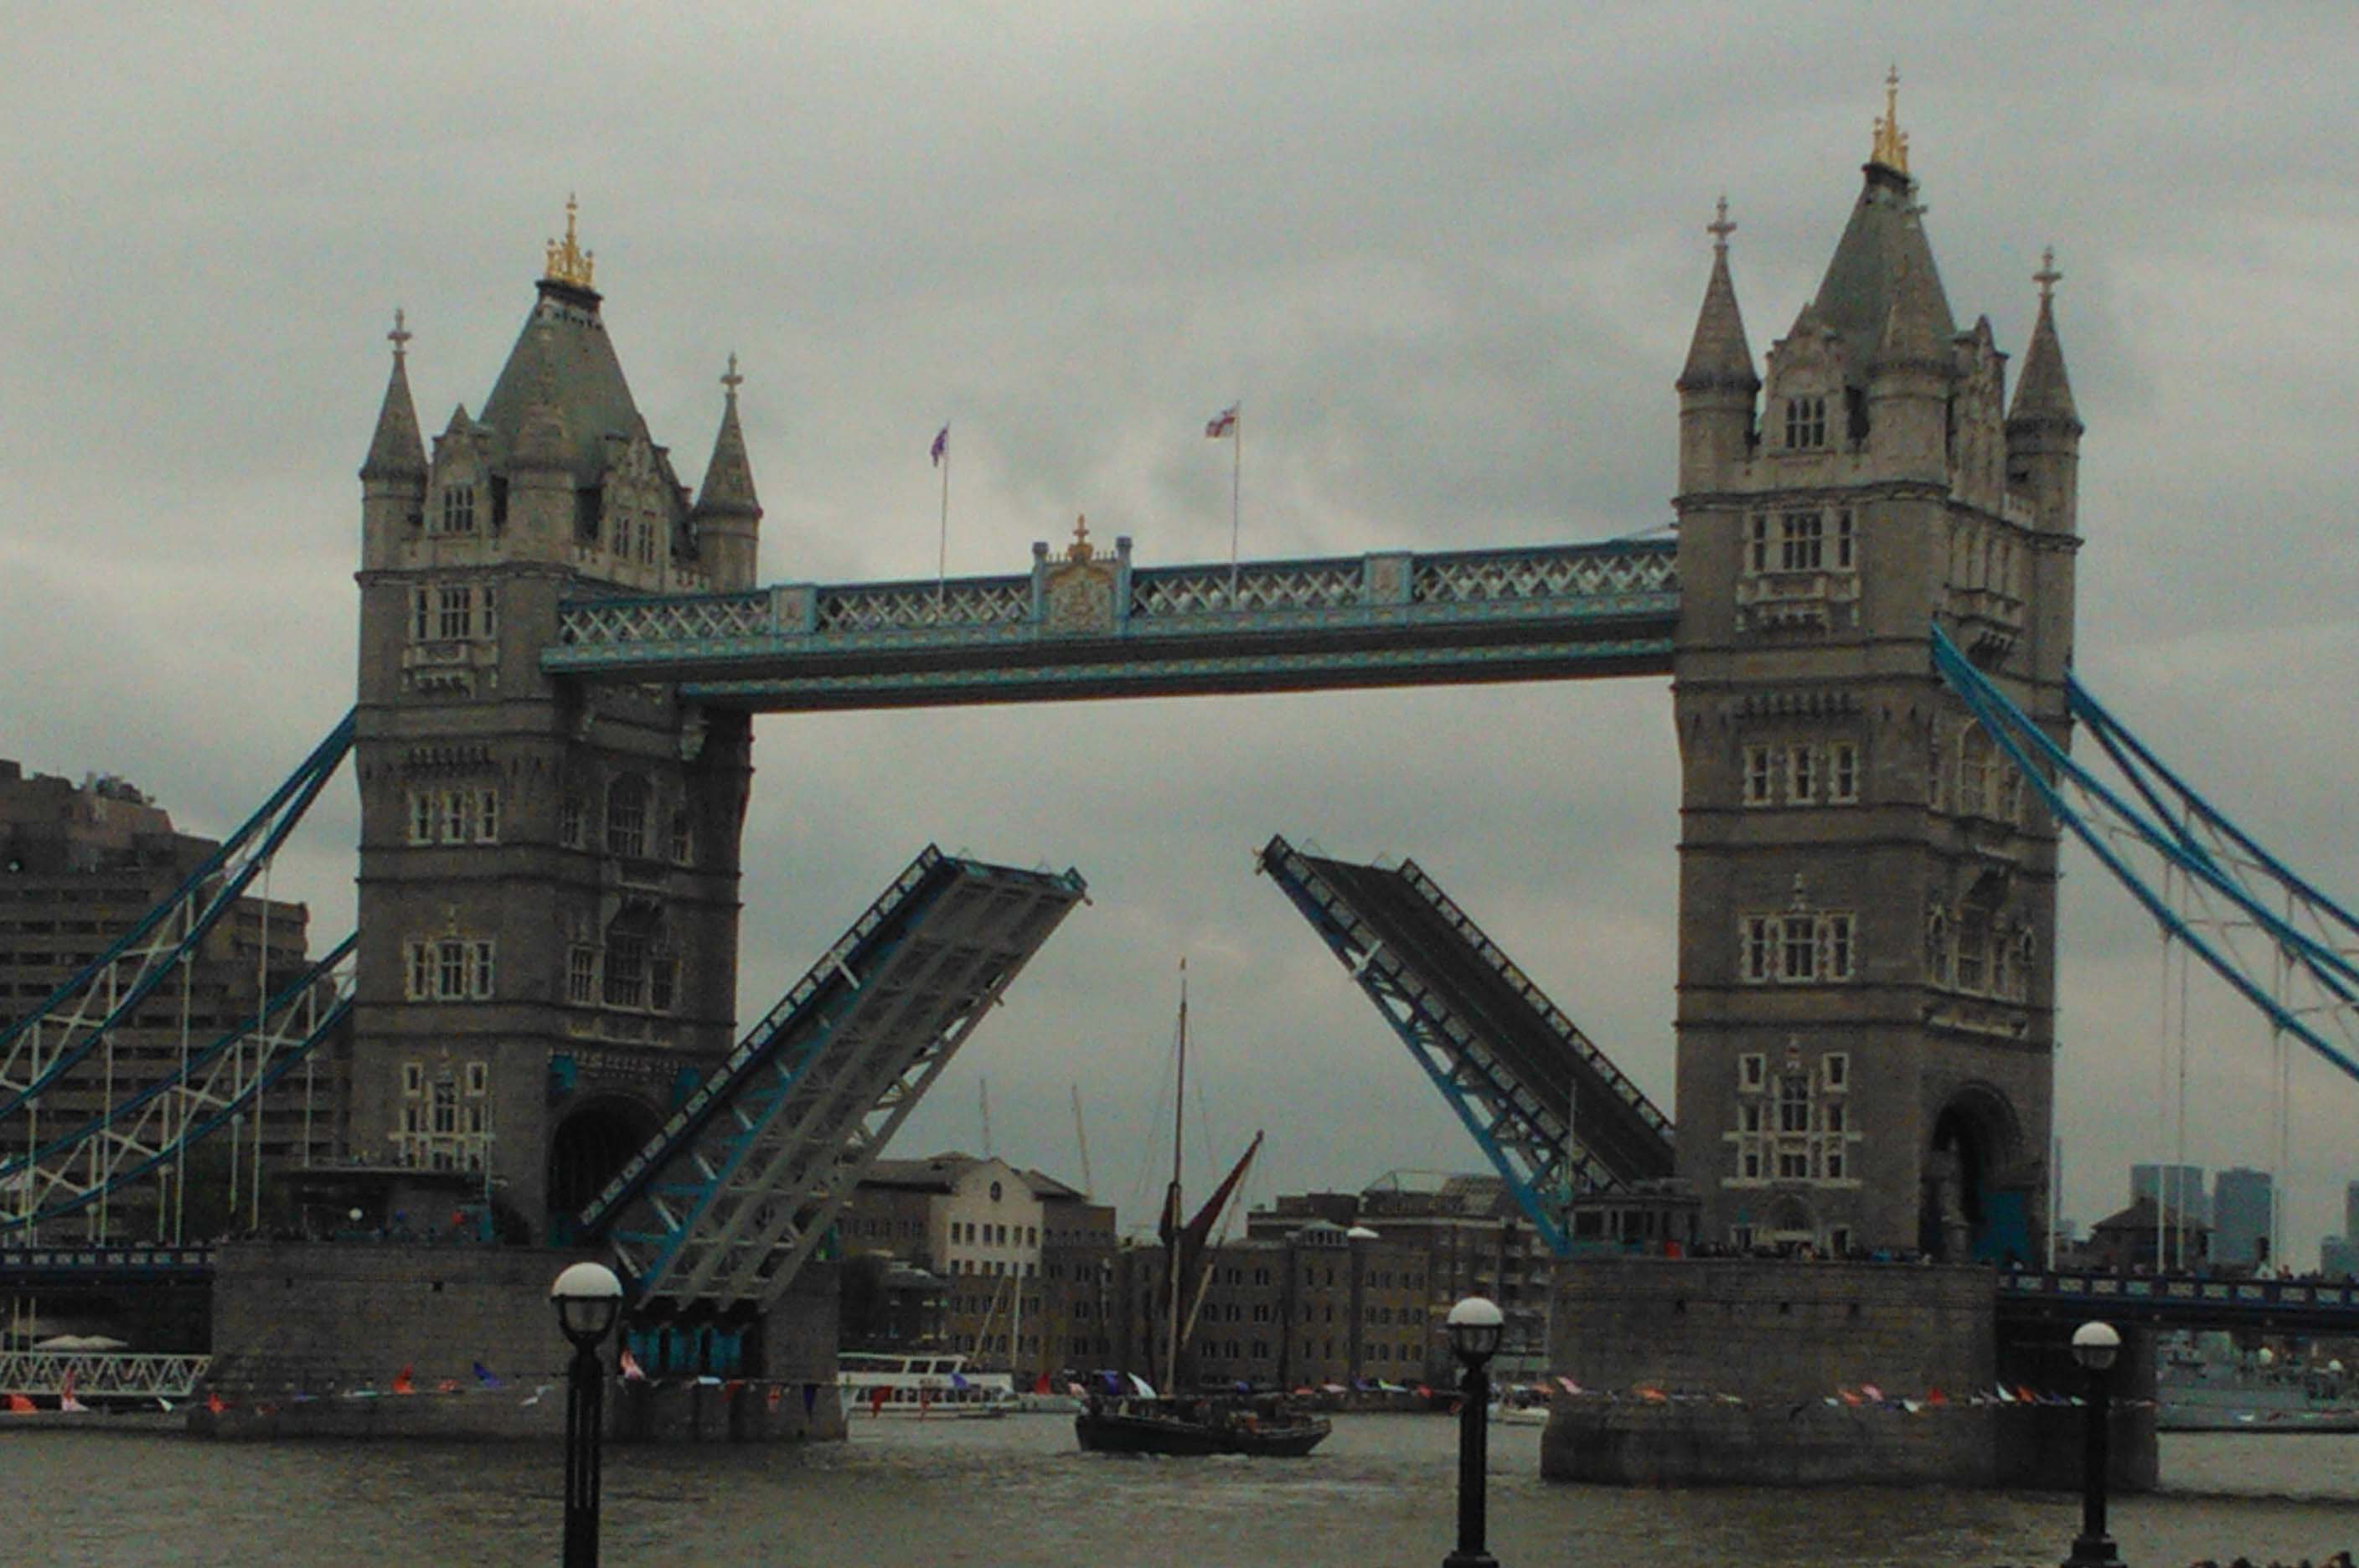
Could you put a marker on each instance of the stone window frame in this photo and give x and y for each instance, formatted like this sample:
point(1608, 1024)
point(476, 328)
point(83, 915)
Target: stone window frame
point(1758, 765)
point(458, 511)
point(1806, 422)
point(444, 611)
point(458, 816)
point(629, 797)
point(1843, 773)
point(1801, 540)
point(1803, 773)
point(449, 969)
point(1828, 944)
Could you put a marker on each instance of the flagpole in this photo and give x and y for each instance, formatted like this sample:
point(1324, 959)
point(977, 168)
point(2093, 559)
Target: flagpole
point(942, 550)
point(1236, 488)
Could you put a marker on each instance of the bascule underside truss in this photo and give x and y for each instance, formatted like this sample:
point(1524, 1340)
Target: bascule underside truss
point(1555, 1116)
point(733, 1194)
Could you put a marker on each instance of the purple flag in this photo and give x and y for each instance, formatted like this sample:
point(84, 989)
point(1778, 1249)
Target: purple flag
point(941, 446)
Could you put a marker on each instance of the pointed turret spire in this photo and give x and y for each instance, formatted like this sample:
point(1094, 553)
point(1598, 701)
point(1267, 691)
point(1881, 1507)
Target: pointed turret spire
point(2045, 393)
point(1719, 357)
point(396, 450)
point(728, 489)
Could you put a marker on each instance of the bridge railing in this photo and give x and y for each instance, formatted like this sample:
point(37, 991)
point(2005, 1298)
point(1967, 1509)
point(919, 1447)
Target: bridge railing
point(100, 1374)
point(2193, 1295)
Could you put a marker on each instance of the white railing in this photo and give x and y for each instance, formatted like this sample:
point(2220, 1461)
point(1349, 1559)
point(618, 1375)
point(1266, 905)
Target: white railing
point(101, 1373)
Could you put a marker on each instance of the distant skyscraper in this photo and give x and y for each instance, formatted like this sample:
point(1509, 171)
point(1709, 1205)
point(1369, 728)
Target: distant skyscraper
point(2351, 1213)
point(2242, 1206)
point(2180, 1188)
point(2338, 1257)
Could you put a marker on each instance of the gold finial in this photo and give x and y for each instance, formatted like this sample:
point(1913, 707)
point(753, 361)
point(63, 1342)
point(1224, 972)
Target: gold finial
point(568, 262)
point(1891, 148)
point(1720, 228)
point(401, 334)
point(733, 380)
point(2047, 278)
point(1081, 549)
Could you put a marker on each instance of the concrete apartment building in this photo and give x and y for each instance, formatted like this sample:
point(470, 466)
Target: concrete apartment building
point(80, 865)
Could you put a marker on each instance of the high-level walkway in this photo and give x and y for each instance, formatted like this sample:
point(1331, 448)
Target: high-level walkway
point(1084, 624)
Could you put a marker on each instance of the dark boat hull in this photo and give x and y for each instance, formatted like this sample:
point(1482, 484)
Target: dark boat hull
point(1117, 1430)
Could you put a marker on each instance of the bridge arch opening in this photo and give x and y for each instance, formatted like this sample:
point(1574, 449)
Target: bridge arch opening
point(1964, 1215)
point(590, 1145)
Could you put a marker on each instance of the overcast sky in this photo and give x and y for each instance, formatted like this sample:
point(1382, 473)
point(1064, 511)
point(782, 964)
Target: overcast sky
point(1448, 255)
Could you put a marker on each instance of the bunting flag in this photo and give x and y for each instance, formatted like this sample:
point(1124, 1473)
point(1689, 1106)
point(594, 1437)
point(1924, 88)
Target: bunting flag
point(66, 1400)
point(536, 1397)
point(1873, 1392)
point(447, 1386)
point(1935, 1396)
point(20, 1406)
point(405, 1382)
point(876, 1398)
point(1569, 1386)
point(1223, 423)
point(1847, 1396)
point(959, 1382)
point(632, 1371)
point(164, 1404)
point(1041, 1384)
point(484, 1376)
point(214, 1402)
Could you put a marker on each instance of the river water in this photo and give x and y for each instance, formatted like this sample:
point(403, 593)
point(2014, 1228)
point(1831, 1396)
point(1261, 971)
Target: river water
point(1015, 1492)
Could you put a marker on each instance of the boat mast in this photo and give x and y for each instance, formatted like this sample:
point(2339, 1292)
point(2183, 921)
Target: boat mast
point(1171, 1199)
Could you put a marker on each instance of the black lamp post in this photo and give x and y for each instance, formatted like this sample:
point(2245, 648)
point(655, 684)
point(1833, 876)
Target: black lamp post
point(588, 1298)
point(2094, 1347)
point(1476, 1327)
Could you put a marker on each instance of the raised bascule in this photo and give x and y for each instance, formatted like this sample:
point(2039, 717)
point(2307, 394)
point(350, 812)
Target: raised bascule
point(1866, 614)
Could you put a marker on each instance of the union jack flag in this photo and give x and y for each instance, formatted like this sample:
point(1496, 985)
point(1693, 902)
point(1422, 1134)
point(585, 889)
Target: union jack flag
point(1223, 423)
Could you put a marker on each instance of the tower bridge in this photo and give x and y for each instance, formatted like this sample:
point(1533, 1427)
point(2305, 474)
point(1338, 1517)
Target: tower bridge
point(1866, 611)
point(562, 649)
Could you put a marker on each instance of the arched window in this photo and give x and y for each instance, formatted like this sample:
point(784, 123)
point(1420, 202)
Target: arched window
point(627, 816)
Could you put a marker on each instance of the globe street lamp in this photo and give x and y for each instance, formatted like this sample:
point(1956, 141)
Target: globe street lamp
point(2094, 1347)
point(1476, 1327)
point(588, 1298)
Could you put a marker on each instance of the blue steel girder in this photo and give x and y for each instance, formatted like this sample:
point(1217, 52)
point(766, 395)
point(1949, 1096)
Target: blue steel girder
point(136, 1136)
point(2324, 1015)
point(80, 1017)
point(1085, 626)
point(733, 1194)
point(1530, 1132)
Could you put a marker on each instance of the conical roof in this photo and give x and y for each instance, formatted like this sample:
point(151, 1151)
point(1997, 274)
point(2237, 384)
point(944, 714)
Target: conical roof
point(396, 450)
point(2044, 392)
point(1884, 242)
point(1914, 325)
point(540, 440)
point(1720, 357)
point(728, 489)
point(585, 390)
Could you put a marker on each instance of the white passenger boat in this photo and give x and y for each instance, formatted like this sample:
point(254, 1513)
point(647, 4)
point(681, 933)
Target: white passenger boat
point(934, 1384)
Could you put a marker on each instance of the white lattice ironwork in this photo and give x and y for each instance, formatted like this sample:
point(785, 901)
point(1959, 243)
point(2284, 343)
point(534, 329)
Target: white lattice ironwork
point(1542, 574)
point(131, 1140)
point(101, 1374)
point(1207, 590)
point(734, 1195)
point(921, 606)
point(698, 618)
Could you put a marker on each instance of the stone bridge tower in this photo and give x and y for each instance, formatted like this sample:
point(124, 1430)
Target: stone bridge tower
point(1867, 892)
point(547, 870)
